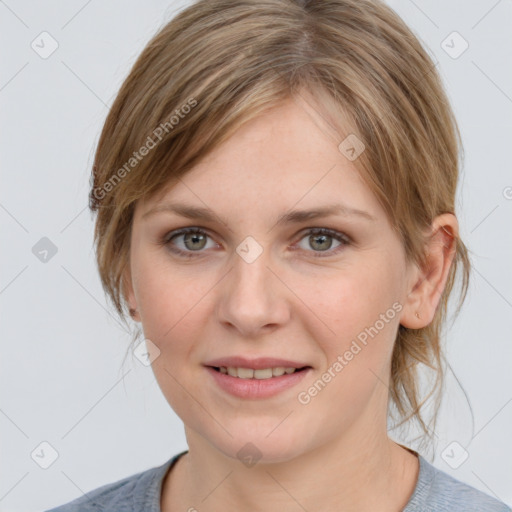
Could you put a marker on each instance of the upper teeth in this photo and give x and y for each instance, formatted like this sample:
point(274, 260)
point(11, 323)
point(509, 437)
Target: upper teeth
point(249, 373)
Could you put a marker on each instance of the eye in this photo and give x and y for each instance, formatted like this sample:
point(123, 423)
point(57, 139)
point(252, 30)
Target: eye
point(321, 240)
point(190, 242)
point(187, 241)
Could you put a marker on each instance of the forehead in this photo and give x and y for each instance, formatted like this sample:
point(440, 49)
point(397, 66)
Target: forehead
point(287, 156)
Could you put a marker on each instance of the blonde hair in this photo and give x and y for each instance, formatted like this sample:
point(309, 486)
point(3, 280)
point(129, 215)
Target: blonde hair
point(220, 63)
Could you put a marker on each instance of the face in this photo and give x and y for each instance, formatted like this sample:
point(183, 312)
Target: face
point(322, 292)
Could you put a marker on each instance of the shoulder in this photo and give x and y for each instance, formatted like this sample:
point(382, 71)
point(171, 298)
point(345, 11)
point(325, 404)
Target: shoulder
point(140, 491)
point(437, 491)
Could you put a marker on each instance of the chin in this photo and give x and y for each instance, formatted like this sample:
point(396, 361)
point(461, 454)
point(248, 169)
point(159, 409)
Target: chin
point(261, 448)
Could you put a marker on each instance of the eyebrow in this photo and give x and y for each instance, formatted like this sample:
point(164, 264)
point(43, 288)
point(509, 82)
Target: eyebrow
point(292, 217)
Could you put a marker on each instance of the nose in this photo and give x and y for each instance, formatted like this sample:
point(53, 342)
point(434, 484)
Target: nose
point(253, 300)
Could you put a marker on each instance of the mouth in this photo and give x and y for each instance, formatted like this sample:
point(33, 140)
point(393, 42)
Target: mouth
point(255, 379)
point(258, 374)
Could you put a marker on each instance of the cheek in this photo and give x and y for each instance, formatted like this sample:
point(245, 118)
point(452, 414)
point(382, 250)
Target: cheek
point(170, 303)
point(362, 310)
point(353, 301)
point(173, 315)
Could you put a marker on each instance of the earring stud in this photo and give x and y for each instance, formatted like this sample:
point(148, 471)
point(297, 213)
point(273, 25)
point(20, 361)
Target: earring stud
point(417, 315)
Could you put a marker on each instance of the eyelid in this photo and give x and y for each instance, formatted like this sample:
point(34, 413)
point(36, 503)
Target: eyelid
point(322, 230)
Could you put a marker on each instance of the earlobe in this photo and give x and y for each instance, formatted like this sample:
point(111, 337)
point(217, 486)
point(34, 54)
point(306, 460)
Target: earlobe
point(413, 316)
point(429, 282)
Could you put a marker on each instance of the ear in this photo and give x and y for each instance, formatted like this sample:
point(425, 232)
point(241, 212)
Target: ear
point(426, 284)
point(127, 287)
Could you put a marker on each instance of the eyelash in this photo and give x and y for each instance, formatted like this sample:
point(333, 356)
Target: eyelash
point(340, 237)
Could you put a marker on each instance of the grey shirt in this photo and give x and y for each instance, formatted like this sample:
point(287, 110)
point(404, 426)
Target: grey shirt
point(435, 491)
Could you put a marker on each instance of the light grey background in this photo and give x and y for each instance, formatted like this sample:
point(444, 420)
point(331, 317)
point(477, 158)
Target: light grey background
point(62, 377)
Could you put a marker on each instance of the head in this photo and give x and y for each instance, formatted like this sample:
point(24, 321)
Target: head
point(322, 103)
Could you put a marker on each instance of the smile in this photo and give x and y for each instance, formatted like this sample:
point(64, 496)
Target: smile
point(250, 373)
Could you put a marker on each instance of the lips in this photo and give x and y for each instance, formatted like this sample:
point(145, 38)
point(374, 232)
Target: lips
point(259, 378)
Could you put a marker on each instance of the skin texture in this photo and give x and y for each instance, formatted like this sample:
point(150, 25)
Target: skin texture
point(334, 452)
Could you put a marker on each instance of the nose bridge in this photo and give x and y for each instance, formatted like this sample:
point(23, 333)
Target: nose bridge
point(251, 270)
point(250, 301)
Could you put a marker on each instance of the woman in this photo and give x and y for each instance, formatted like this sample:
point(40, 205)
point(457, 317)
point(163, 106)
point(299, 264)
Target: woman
point(275, 189)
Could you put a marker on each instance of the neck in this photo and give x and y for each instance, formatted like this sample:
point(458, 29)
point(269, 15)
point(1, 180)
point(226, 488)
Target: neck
point(365, 471)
